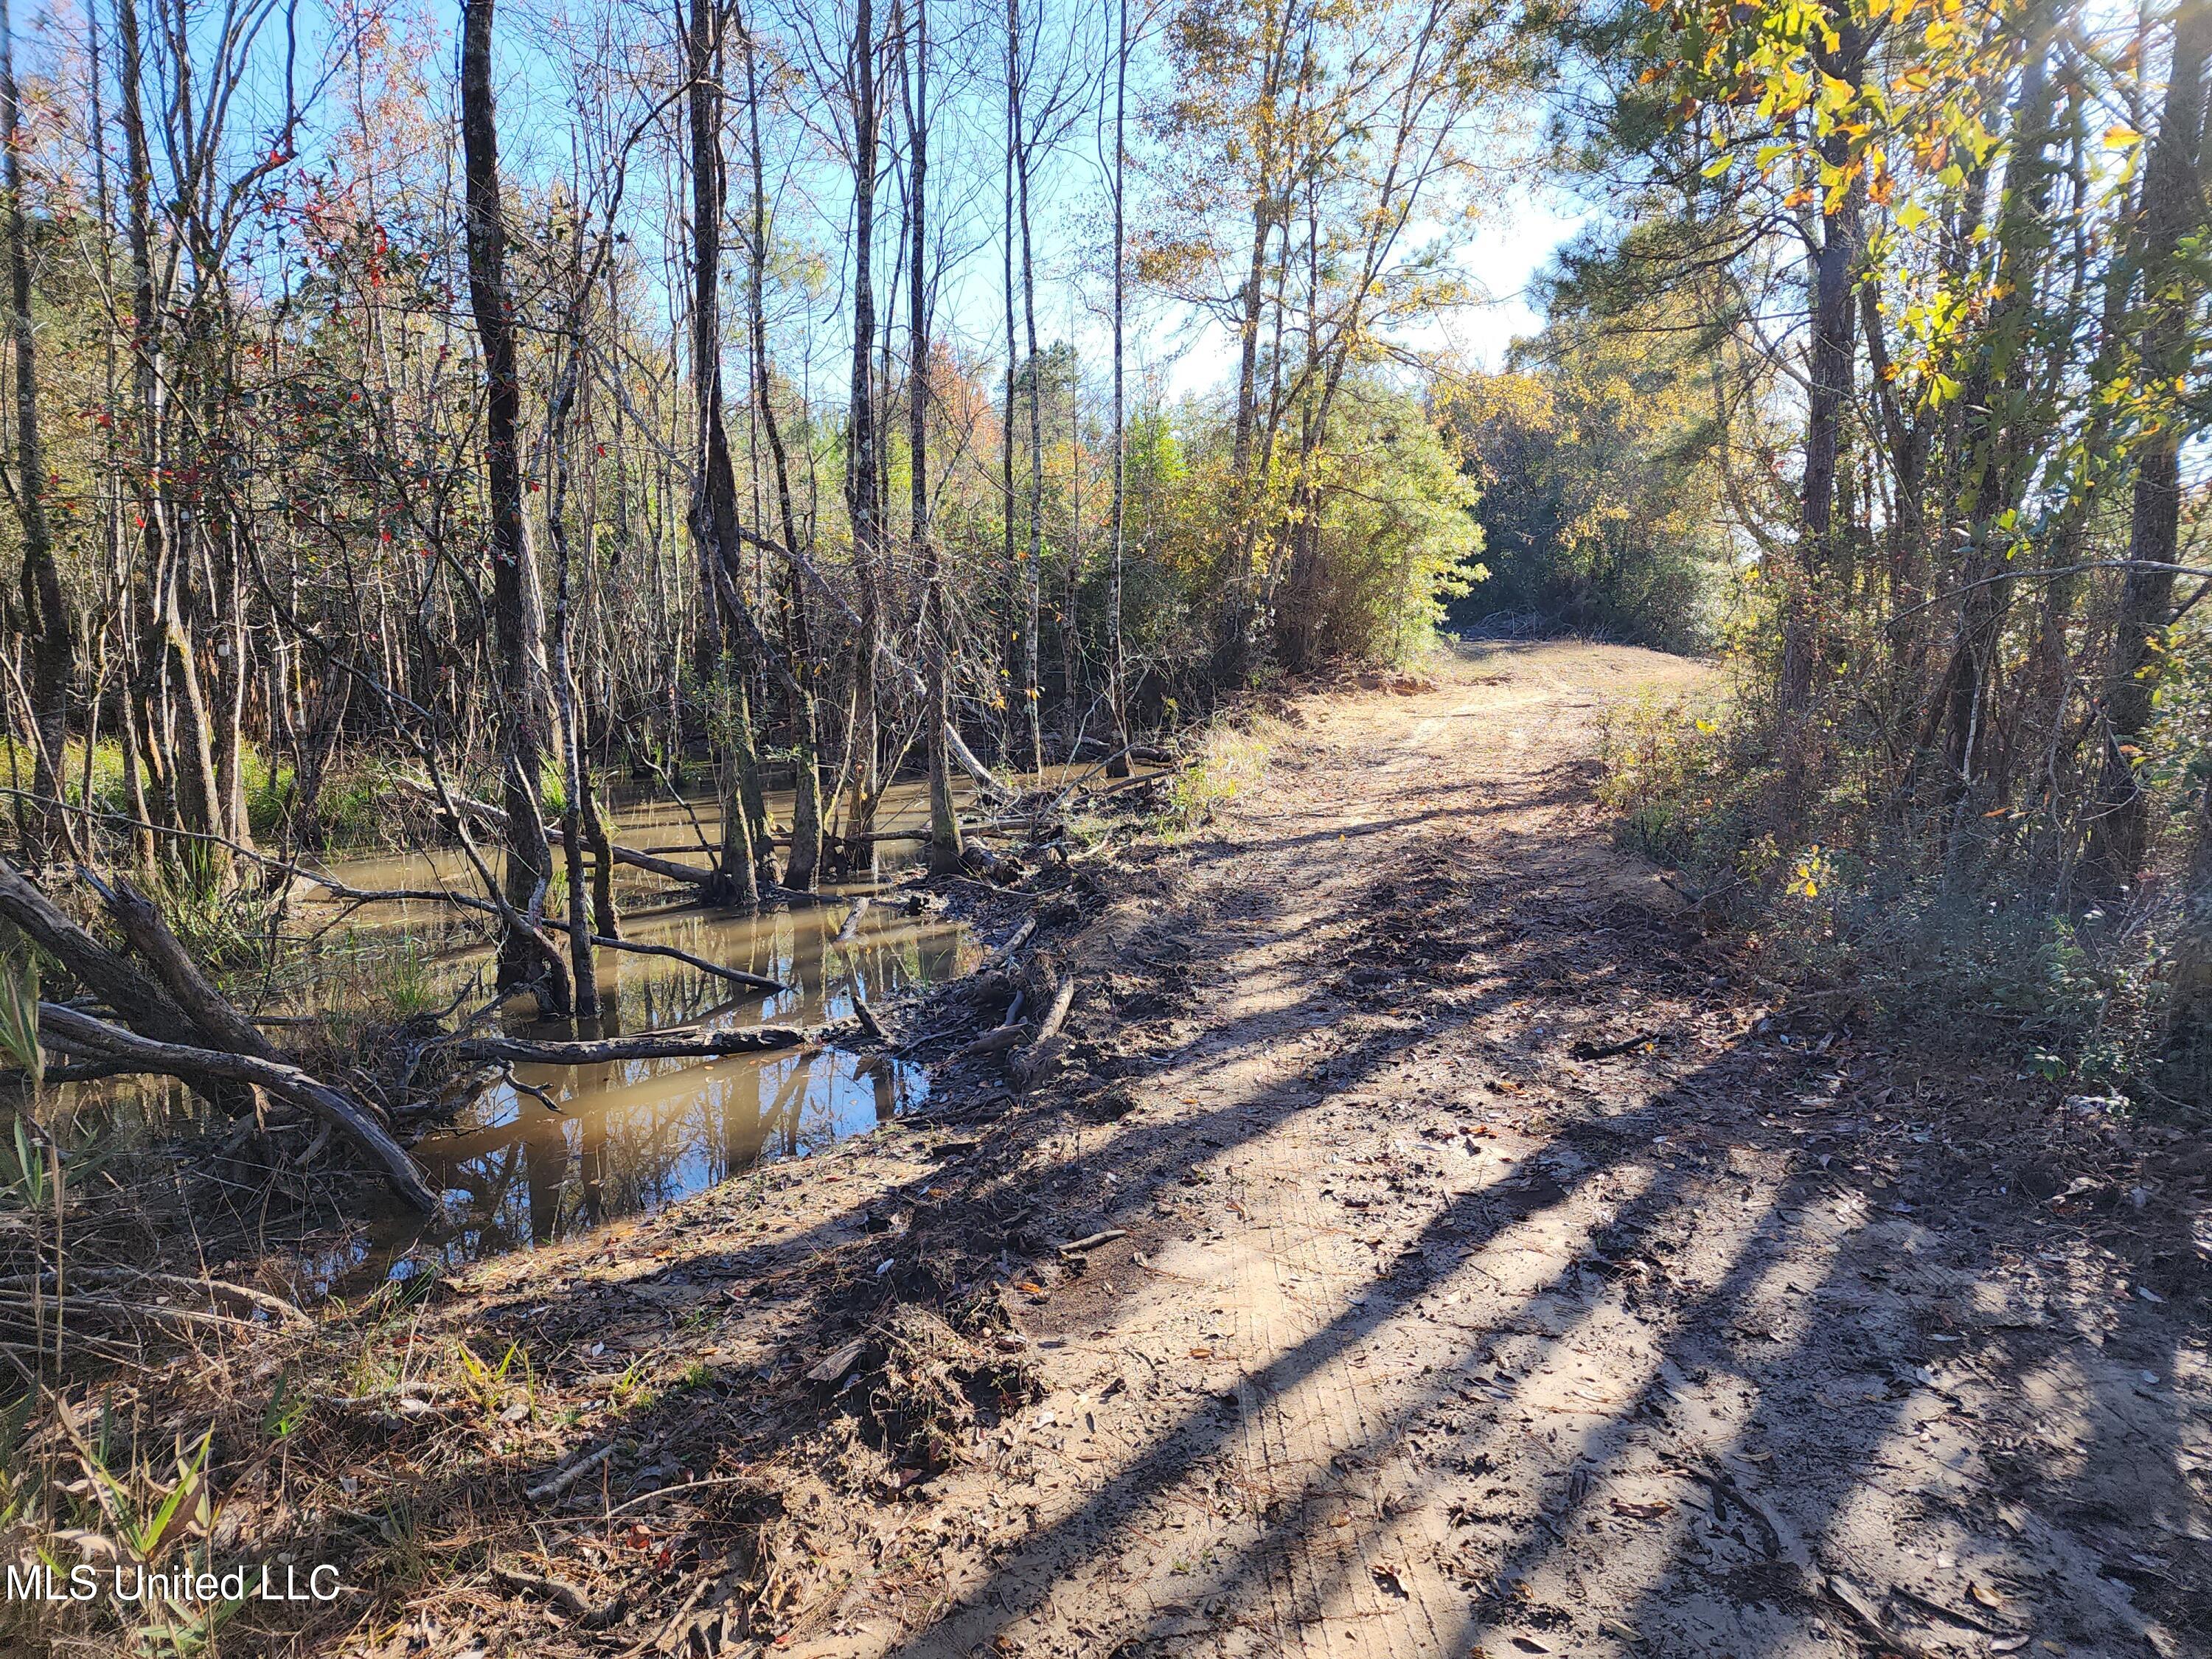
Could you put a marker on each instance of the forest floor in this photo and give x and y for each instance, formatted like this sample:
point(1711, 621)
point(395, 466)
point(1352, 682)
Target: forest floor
point(1502, 1268)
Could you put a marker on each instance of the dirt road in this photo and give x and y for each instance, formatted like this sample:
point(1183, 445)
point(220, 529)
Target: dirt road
point(1429, 1338)
point(1495, 1265)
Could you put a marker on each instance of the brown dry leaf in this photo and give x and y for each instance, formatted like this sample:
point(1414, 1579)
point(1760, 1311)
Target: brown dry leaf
point(1386, 1576)
point(1028, 1289)
point(1984, 1598)
point(1640, 1511)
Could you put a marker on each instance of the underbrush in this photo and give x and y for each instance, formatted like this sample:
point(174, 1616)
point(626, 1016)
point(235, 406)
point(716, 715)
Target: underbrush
point(354, 808)
point(1231, 758)
point(1854, 909)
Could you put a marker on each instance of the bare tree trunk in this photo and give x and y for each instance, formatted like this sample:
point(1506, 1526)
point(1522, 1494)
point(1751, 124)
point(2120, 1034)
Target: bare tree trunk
point(1117, 690)
point(569, 389)
point(1993, 452)
point(141, 696)
point(714, 529)
point(1022, 669)
point(1233, 648)
point(524, 955)
point(944, 848)
point(862, 786)
point(2173, 212)
point(1831, 385)
point(46, 615)
point(806, 859)
point(1033, 573)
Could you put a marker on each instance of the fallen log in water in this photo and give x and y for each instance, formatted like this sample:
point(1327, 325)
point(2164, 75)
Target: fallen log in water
point(115, 980)
point(176, 1023)
point(80, 1033)
point(734, 975)
point(650, 1045)
point(161, 949)
point(495, 817)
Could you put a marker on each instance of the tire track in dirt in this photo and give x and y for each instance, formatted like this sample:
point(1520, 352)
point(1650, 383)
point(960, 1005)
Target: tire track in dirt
point(1438, 1341)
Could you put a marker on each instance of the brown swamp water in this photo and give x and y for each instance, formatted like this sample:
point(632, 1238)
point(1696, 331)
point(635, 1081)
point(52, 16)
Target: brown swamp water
point(617, 1140)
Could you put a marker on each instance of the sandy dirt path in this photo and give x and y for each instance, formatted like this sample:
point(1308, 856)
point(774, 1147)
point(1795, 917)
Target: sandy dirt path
point(1501, 1264)
point(1430, 1338)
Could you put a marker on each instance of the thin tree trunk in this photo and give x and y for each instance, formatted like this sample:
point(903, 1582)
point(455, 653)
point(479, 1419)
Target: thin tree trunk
point(806, 858)
point(1021, 675)
point(46, 615)
point(1033, 572)
point(944, 848)
point(1994, 451)
point(1830, 385)
point(1232, 656)
point(714, 501)
point(1117, 666)
point(2173, 211)
point(524, 955)
point(861, 482)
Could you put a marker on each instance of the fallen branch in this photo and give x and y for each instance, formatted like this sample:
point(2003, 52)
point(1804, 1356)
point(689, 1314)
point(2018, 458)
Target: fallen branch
point(149, 935)
point(1136, 782)
point(80, 1033)
point(116, 982)
point(988, 784)
point(877, 837)
point(290, 1313)
point(603, 941)
point(1610, 1050)
point(996, 1041)
point(1056, 1014)
point(1042, 1056)
point(560, 1480)
point(651, 1045)
point(833, 1366)
point(734, 975)
point(1017, 938)
point(1077, 1247)
point(495, 817)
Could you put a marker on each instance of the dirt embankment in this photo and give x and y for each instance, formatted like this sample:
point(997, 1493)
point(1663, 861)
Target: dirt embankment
point(1487, 1268)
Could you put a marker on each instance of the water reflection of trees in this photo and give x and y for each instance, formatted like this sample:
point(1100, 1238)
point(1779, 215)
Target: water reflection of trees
point(631, 1137)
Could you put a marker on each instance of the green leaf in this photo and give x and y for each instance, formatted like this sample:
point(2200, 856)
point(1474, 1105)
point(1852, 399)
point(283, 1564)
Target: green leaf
point(188, 1479)
point(1717, 165)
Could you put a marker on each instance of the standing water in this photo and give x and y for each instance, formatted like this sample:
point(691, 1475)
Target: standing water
point(549, 1151)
